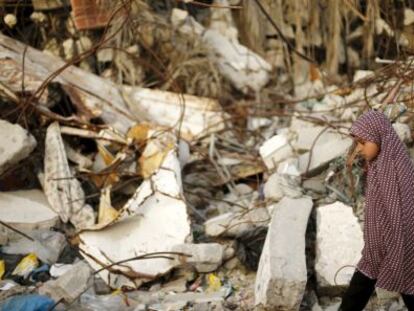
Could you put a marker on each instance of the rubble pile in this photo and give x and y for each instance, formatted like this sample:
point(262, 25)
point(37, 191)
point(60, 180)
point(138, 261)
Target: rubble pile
point(153, 157)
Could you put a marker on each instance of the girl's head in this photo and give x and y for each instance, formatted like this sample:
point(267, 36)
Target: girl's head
point(369, 131)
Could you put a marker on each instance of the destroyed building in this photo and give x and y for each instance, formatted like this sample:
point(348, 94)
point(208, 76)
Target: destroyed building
point(191, 155)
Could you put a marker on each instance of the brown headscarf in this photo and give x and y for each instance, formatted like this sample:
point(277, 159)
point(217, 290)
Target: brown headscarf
point(388, 253)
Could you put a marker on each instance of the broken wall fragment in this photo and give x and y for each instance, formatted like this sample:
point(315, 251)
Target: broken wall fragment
point(93, 95)
point(26, 211)
point(336, 226)
point(282, 275)
point(15, 144)
point(153, 220)
point(246, 70)
point(193, 116)
point(63, 190)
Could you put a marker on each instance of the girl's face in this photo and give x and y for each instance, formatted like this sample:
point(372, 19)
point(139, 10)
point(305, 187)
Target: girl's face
point(367, 149)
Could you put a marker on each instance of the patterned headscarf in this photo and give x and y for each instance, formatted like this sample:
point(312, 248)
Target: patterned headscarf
point(388, 254)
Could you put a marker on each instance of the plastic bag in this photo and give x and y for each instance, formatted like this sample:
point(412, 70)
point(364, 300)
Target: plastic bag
point(31, 302)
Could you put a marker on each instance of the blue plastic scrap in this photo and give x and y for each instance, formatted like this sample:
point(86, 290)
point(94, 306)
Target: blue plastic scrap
point(31, 302)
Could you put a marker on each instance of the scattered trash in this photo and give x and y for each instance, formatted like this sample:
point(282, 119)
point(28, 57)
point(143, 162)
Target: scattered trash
point(26, 266)
point(2, 268)
point(168, 156)
point(40, 274)
point(31, 302)
point(214, 283)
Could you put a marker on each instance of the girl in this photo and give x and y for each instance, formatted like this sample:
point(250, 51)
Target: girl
point(388, 254)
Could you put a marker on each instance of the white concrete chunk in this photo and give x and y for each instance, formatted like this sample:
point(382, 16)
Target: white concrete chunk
point(232, 224)
point(70, 285)
point(297, 124)
point(239, 199)
point(404, 131)
point(200, 116)
point(318, 135)
point(26, 211)
point(222, 21)
point(217, 225)
point(339, 243)
point(322, 154)
point(279, 186)
point(206, 257)
point(275, 150)
point(362, 74)
point(153, 220)
point(15, 144)
point(281, 276)
point(246, 70)
point(289, 167)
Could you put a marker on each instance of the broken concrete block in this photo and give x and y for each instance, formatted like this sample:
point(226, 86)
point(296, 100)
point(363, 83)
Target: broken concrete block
point(309, 89)
point(209, 306)
point(363, 74)
point(289, 167)
point(160, 301)
point(282, 275)
point(86, 90)
point(70, 285)
point(47, 245)
point(233, 224)
point(195, 297)
point(246, 70)
point(321, 155)
point(242, 197)
point(256, 123)
point(404, 131)
point(275, 150)
point(179, 285)
point(15, 144)
point(217, 225)
point(229, 251)
point(200, 116)
point(313, 136)
point(336, 225)
point(222, 21)
point(297, 124)
point(110, 302)
point(278, 186)
point(144, 227)
point(315, 184)
point(59, 269)
point(206, 257)
point(26, 211)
